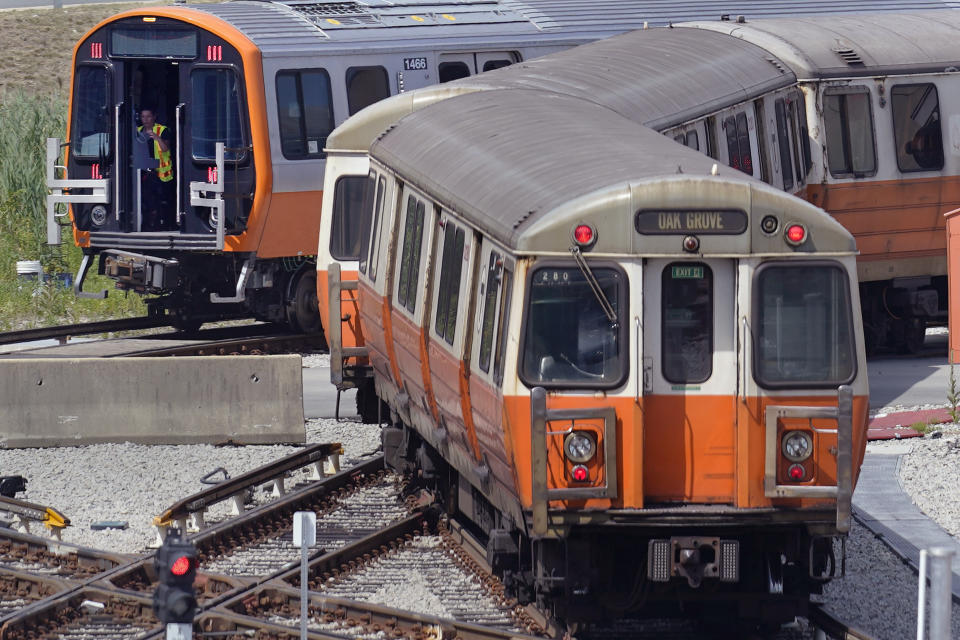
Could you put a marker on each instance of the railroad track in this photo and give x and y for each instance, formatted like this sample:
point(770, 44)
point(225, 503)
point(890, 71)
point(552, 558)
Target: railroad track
point(375, 531)
point(248, 339)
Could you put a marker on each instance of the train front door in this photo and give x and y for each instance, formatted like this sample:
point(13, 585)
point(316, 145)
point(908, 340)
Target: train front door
point(690, 380)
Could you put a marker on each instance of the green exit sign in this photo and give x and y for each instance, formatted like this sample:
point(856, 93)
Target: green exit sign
point(692, 272)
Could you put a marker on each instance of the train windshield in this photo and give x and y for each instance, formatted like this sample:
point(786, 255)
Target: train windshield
point(569, 340)
point(216, 115)
point(91, 127)
point(803, 327)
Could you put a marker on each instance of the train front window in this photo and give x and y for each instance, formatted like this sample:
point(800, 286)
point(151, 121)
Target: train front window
point(568, 338)
point(349, 211)
point(91, 125)
point(216, 115)
point(803, 329)
point(687, 316)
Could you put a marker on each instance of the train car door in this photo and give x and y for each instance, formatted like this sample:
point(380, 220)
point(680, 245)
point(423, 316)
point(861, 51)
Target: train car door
point(690, 380)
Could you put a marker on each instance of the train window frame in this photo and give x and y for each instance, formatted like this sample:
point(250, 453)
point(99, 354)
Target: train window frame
point(382, 89)
point(806, 268)
point(493, 284)
point(759, 113)
point(450, 284)
point(301, 136)
point(410, 256)
point(503, 320)
point(108, 106)
point(738, 125)
point(665, 352)
point(845, 132)
point(355, 218)
point(233, 155)
point(448, 64)
point(902, 145)
point(621, 304)
point(376, 220)
point(783, 142)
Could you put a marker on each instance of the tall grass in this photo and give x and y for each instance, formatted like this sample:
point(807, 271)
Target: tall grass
point(26, 121)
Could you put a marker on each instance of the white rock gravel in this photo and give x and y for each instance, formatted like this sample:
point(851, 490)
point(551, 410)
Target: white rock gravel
point(136, 482)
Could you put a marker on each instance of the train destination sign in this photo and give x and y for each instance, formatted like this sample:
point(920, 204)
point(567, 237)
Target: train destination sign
point(685, 221)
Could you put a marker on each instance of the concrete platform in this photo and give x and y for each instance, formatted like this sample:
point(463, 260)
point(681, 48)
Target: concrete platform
point(883, 507)
point(218, 400)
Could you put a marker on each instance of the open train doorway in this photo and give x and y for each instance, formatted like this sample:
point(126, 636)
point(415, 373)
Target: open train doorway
point(152, 98)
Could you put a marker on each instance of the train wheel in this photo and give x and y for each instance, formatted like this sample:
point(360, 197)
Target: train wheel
point(303, 312)
point(369, 404)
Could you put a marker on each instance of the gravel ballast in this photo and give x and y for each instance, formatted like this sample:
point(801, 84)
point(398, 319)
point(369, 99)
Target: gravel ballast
point(134, 483)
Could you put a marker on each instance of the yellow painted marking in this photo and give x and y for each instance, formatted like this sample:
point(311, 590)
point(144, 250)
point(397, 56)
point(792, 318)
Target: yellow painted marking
point(449, 17)
point(417, 18)
point(332, 21)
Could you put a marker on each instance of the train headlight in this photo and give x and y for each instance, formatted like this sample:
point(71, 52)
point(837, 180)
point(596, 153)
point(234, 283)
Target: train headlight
point(579, 446)
point(769, 224)
point(98, 215)
point(797, 446)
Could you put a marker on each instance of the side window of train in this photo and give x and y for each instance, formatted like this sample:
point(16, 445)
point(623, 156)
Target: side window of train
point(305, 112)
point(916, 127)
point(448, 291)
point(410, 254)
point(797, 119)
point(783, 142)
point(453, 70)
point(92, 121)
point(738, 142)
point(366, 85)
point(367, 212)
point(761, 137)
point(687, 319)
point(710, 137)
point(376, 225)
point(848, 125)
point(498, 282)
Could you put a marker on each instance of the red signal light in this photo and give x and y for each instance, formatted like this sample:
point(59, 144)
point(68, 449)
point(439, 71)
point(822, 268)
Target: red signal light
point(796, 472)
point(181, 566)
point(584, 235)
point(580, 473)
point(796, 234)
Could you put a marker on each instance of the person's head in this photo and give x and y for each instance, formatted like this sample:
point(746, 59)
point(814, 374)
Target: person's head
point(148, 118)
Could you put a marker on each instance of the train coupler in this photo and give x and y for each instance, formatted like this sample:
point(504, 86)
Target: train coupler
point(147, 274)
point(693, 558)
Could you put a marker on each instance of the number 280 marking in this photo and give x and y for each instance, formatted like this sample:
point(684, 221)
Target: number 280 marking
point(414, 64)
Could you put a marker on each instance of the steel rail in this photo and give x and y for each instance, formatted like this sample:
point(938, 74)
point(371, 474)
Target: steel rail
point(84, 328)
point(312, 456)
point(29, 511)
point(823, 620)
point(256, 345)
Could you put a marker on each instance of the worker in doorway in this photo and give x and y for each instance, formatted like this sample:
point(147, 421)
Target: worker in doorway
point(156, 185)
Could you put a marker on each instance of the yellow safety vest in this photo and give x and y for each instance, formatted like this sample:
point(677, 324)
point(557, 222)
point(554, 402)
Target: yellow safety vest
point(165, 170)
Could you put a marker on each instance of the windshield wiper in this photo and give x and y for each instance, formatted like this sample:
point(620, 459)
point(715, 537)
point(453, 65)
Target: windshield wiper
point(594, 285)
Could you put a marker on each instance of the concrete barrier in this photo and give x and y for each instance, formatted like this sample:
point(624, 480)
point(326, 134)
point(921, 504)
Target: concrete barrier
point(54, 402)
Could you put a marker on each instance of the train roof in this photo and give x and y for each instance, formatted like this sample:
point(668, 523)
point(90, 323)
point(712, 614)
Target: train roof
point(278, 26)
point(527, 166)
point(857, 45)
point(658, 77)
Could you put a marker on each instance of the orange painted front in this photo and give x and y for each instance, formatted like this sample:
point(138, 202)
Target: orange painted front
point(351, 333)
point(953, 273)
point(706, 449)
point(892, 219)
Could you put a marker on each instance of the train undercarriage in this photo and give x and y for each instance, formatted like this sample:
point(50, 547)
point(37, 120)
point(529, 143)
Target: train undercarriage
point(897, 312)
point(662, 562)
point(194, 288)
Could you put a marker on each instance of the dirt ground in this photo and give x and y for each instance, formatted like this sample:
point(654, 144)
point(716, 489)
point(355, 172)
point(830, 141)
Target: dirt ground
point(38, 44)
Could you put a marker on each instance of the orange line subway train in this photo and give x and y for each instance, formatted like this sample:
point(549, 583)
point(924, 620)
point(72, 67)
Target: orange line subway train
point(220, 214)
point(640, 372)
point(847, 111)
